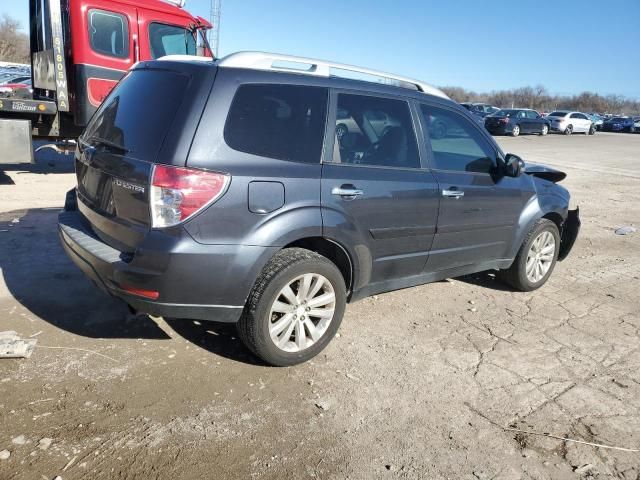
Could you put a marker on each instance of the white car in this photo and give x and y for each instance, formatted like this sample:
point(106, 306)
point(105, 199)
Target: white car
point(571, 122)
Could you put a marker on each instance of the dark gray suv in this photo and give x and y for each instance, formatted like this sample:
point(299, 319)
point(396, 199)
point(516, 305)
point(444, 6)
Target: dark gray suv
point(265, 190)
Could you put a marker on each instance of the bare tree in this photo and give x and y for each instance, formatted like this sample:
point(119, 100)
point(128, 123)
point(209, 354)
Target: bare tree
point(14, 45)
point(539, 99)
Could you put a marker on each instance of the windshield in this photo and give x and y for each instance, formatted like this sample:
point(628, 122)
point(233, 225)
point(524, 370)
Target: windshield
point(171, 40)
point(618, 119)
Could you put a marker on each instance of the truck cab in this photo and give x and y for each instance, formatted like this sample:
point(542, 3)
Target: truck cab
point(108, 37)
point(80, 49)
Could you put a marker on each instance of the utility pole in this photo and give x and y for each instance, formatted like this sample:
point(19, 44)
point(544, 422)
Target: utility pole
point(214, 34)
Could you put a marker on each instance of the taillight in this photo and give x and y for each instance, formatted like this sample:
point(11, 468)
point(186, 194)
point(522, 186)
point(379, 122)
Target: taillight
point(177, 193)
point(504, 120)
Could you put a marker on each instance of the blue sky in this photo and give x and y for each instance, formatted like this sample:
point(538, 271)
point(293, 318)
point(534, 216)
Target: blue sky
point(568, 46)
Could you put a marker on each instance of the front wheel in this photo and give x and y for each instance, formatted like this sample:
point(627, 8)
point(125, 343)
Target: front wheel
point(568, 130)
point(294, 309)
point(515, 131)
point(536, 258)
point(545, 129)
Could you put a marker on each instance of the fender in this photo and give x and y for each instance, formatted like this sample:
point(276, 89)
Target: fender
point(537, 207)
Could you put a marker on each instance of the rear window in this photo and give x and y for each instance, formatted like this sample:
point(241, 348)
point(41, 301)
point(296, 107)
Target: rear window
point(557, 114)
point(285, 122)
point(138, 113)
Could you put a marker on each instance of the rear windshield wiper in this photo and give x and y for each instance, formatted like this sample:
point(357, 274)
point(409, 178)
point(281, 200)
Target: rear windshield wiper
point(95, 141)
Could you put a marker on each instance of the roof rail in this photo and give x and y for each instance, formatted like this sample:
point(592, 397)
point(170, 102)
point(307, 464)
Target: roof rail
point(320, 68)
point(184, 58)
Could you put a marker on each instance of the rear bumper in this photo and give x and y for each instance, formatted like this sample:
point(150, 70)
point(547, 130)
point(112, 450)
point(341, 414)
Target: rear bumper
point(205, 282)
point(498, 129)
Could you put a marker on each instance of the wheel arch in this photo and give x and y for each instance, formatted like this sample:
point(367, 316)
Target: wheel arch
point(332, 250)
point(540, 206)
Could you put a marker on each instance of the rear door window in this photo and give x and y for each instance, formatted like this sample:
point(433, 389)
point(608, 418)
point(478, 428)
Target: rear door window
point(109, 33)
point(284, 122)
point(170, 40)
point(456, 143)
point(375, 131)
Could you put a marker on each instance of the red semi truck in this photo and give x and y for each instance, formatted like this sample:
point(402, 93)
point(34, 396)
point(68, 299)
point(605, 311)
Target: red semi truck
point(80, 49)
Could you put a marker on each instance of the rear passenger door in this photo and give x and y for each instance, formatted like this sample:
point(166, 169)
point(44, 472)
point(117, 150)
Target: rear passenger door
point(376, 194)
point(479, 209)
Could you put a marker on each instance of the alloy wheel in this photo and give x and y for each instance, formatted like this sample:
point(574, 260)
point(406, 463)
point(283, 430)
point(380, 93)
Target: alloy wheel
point(540, 257)
point(302, 312)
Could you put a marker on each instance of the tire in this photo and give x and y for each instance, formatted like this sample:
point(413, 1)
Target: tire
point(516, 275)
point(515, 131)
point(259, 319)
point(545, 130)
point(592, 130)
point(568, 130)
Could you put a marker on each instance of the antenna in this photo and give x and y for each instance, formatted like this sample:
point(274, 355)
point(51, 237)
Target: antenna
point(214, 33)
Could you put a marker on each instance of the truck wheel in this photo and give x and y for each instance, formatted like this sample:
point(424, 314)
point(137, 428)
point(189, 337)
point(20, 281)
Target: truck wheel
point(294, 309)
point(536, 258)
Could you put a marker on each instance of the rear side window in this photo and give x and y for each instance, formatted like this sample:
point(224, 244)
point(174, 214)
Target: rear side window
point(109, 33)
point(457, 145)
point(285, 122)
point(375, 131)
point(170, 40)
point(138, 113)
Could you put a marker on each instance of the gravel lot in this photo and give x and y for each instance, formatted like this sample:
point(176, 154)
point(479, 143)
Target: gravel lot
point(419, 384)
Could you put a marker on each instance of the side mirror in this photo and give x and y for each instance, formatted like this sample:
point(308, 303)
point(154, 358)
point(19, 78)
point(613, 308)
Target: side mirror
point(513, 165)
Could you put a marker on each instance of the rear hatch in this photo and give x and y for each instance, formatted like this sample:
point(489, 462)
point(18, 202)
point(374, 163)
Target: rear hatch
point(150, 117)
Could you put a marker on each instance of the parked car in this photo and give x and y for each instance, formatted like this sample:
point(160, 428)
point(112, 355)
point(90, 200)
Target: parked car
point(571, 122)
point(620, 124)
point(480, 109)
point(232, 202)
point(22, 89)
point(14, 78)
point(636, 125)
point(514, 121)
point(597, 120)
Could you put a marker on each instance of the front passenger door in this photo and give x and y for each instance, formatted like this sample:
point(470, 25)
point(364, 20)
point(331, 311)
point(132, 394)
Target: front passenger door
point(479, 209)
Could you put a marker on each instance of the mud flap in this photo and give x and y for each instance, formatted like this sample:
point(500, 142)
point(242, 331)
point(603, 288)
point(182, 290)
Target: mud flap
point(15, 141)
point(569, 234)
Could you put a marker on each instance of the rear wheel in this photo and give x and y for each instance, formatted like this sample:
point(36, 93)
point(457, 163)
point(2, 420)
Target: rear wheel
point(536, 258)
point(592, 130)
point(568, 130)
point(295, 308)
point(515, 131)
point(545, 129)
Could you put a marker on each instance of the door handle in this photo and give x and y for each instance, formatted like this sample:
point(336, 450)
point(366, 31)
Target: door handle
point(347, 191)
point(453, 193)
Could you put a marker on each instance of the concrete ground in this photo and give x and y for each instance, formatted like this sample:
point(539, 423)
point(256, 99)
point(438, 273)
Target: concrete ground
point(429, 382)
